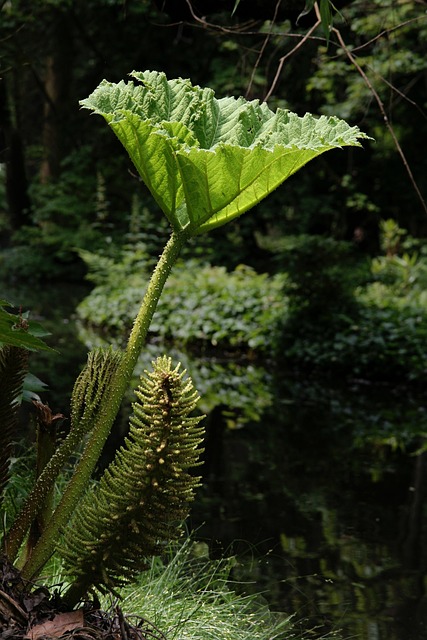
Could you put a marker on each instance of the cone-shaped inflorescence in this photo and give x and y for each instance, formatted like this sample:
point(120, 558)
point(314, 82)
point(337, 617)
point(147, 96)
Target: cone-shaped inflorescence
point(144, 495)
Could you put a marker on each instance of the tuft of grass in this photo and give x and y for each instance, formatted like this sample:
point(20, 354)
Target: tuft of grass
point(188, 596)
point(191, 597)
point(185, 594)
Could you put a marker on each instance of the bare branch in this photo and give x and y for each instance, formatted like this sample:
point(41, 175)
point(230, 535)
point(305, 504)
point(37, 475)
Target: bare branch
point(387, 32)
point(384, 115)
point(398, 92)
point(283, 59)
point(261, 53)
point(216, 27)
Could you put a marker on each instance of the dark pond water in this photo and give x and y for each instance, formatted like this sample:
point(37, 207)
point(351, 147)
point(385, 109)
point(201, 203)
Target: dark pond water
point(324, 511)
point(317, 487)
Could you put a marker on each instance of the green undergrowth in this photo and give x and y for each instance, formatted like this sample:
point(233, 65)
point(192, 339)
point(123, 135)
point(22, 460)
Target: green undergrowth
point(328, 309)
point(384, 340)
point(201, 303)
point(22, 476)
point(354, 316)
point(380, 344)
point(185, 594)
point(20, 480)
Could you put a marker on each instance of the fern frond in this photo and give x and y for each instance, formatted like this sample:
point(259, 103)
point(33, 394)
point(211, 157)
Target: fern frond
point(13, 369)
point(144, 495)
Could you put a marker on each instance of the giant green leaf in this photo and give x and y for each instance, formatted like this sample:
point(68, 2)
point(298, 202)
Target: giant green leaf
point(207, 160)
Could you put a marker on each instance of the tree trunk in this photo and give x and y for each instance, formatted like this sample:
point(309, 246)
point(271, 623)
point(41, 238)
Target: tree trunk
point(12, 152)
point(55, 83)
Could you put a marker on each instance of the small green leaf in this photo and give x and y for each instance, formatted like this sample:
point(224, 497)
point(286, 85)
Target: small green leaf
point(236, 4)
point(33, 384)
point(309, 4)
point(13, 334)
point(208, 160)
point(31, 388)
point(326, 18)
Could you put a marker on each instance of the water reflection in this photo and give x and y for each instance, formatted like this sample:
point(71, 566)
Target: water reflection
point(337, 505)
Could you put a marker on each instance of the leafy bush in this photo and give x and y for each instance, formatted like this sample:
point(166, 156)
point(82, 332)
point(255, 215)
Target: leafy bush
point(238, 308)
point(201, 303)
point(322, 275)
point(384, 344)
point(325, 313)
point(68, 213)
point(383, 332)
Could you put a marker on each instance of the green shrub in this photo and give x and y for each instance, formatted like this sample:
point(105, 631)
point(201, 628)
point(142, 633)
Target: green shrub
point(384, 344)
point(322, 275)
point(68, 213)
point(201, 303)
point(325, 313)
point(377, 329)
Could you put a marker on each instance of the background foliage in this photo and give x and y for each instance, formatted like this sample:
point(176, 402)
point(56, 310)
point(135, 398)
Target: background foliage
point(336, 297)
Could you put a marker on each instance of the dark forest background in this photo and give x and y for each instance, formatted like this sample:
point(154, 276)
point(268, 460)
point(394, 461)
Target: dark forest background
point(347, 234)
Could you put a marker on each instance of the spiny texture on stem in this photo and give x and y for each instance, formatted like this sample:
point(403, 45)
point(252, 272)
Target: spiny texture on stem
point(88, 390)
point(106, 412)
point(90, 386)
point(46, 443)
point(144, 495)
point(13, 369)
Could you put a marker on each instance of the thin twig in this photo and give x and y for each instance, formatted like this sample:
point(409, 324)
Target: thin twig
point(217, 27)
point(283, 59)
point(384, 115)
point(261, 53)
point(387, 32)
point(400, 93)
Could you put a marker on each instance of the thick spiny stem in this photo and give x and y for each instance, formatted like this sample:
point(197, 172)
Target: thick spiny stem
point(108, 409)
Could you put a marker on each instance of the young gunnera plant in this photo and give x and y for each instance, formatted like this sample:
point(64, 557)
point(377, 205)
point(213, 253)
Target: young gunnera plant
point(205, 161)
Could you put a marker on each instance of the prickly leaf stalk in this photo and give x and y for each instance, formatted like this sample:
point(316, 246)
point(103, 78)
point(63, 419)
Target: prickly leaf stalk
point(90, 387)
point(205, 161)
point(144, 494)
point(46, 443)
point(93, 382)
point(106, 411)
